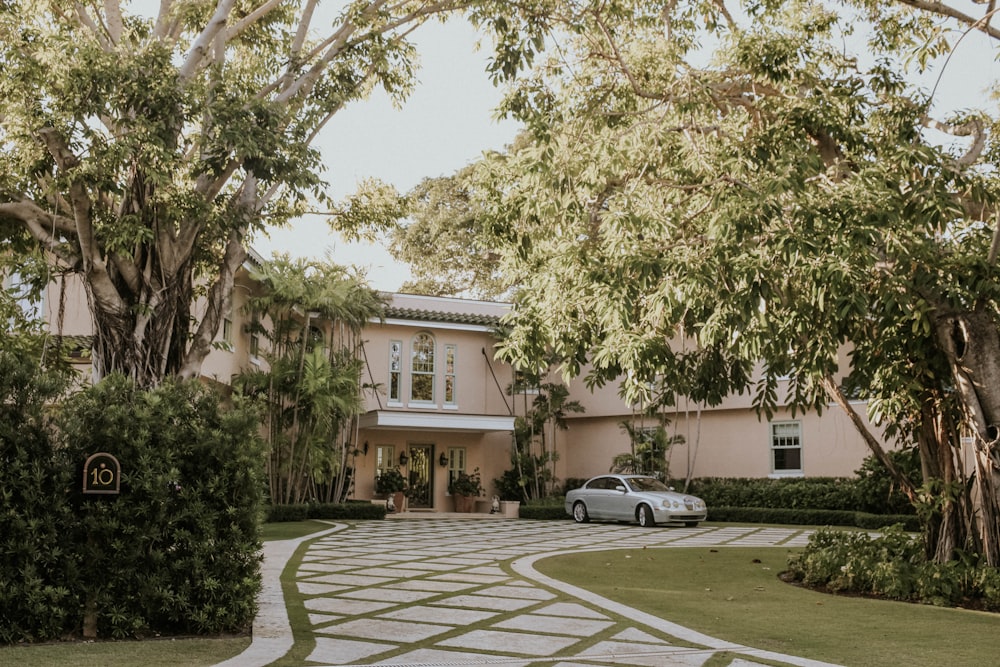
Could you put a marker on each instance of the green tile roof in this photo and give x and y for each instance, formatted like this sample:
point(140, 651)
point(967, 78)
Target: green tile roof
point(418, 314)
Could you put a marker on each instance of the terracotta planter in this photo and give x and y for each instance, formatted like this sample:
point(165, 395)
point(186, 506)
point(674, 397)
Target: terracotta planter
point(399, 499)
point(464, 504)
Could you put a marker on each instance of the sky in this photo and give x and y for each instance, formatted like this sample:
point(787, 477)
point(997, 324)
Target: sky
point(447, 123)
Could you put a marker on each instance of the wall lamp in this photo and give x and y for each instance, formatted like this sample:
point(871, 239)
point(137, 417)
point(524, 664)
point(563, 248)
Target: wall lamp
point(443, 460)
point(403, 459)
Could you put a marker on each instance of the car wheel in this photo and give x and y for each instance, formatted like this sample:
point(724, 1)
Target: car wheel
point(580, 512)
point(645, 516)
point(691, 524)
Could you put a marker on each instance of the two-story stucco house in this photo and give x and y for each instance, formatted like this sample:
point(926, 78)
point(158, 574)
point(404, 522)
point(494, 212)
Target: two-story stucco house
point(438, 403)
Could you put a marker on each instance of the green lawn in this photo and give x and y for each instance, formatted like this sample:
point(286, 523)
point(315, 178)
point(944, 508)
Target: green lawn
point(735, 594)
point(150, 653)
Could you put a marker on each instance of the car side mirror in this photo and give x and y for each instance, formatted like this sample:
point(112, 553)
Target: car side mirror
point(621, 488)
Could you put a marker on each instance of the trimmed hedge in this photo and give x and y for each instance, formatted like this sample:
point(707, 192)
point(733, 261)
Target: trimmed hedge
point(804, 517)
point(542, 512)
point(812, 517)
point(349, 511)
point(176, 552)
point(819, 493)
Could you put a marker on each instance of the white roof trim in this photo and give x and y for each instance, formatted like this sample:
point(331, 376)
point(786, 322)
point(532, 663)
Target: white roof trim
point(428, 324)
point(433, 421)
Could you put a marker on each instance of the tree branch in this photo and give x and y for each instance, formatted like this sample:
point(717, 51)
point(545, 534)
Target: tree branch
point(203, 43)
point(834, 391)
point(251, 18)
point(85, 20)
point(973, 127)
point(41, 225)
point(941, 9)
point(113, 14)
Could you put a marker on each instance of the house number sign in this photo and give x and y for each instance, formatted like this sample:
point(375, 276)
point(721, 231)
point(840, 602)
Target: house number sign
point(102, 474)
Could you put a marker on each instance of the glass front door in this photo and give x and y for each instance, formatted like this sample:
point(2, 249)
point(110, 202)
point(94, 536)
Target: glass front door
point(421, 476)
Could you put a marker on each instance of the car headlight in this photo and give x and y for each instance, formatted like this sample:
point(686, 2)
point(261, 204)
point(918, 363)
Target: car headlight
point(671, 504)
point(696, 503)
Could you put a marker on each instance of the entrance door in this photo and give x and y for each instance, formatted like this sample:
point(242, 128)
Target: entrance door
point(421, 476)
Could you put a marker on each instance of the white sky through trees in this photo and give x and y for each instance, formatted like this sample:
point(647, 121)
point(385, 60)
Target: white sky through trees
point(448, 122)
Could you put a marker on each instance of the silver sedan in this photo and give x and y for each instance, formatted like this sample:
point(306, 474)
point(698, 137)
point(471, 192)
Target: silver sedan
point(633, 498)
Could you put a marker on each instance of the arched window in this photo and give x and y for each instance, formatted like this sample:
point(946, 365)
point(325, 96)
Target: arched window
point(422, 368)
point(316, 337)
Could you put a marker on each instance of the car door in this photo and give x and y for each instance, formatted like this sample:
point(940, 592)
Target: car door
point(620, 504)
point(601, 497)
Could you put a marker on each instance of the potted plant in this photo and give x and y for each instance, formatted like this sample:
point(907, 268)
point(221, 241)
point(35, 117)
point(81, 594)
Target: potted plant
point(465, 488)
point(391, 483)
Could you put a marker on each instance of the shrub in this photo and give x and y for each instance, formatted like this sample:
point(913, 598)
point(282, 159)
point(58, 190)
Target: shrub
point(284, 513)
point(534, 511)
point(892, 565)
point(38, 569)
point(361, 510)
point(876, 491)
point(811, 517)
point(178, 550)
point(812, 493)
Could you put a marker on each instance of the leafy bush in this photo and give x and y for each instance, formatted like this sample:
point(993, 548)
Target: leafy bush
point(390, 481)
point(178, 550)
point(38, 569)
point(892, 565)
point(811, 517)
point(869, 493)
point(552, 507)
point(284, 513)
point(359, 511)
point(876, 491)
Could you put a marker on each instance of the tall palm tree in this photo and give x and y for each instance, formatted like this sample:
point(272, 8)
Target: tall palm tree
point(312, 390)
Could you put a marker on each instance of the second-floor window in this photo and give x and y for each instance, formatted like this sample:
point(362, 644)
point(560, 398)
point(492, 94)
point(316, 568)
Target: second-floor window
point(422, 368)
point(395, 369)
point(450, 373)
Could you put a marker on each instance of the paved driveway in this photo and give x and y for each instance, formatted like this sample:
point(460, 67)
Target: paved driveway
point(458, 591)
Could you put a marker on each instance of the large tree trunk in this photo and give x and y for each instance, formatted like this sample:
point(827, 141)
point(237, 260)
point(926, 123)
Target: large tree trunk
point(946, 529)
point(972, 342)
point(146, 334)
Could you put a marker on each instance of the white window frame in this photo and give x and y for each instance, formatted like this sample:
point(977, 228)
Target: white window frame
point(253, 347)
point(385, 459)
point(423, 373)
point(781, 435)
point(457, 461)
point(394, 390)
point(451, 375)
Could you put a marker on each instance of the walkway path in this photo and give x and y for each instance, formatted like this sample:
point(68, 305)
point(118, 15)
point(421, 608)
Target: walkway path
point(458, 591)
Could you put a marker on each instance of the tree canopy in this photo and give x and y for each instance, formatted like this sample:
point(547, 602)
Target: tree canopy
point(444, 243)
point(143, 151)
point(708, 192)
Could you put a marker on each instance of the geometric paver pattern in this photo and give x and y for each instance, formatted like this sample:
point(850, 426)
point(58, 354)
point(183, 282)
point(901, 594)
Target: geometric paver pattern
point(409, 591)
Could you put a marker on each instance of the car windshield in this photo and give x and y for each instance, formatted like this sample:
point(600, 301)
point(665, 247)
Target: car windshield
point(646, 484)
